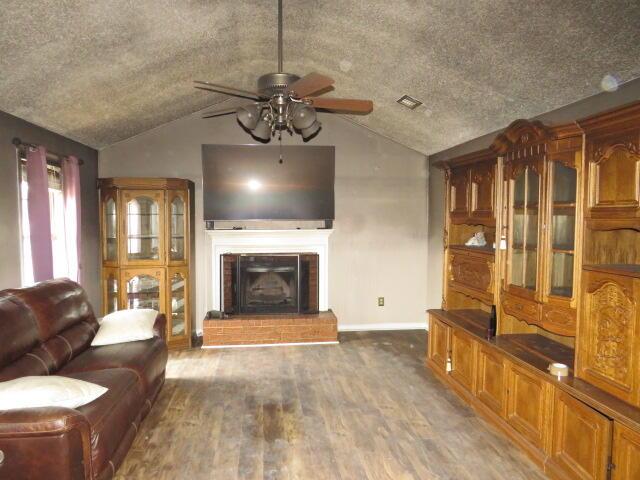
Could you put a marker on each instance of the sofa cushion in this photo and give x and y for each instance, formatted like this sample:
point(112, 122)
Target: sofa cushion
point(17, 329)
point(147, 358)
point(64, 318)
point(112, 415)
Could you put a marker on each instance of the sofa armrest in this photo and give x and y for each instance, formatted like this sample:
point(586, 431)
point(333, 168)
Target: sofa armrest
point(44, 420)
point(160, 326)
point(43, 443)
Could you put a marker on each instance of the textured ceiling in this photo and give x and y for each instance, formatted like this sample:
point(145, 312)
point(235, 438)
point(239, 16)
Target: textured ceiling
point(100, 72)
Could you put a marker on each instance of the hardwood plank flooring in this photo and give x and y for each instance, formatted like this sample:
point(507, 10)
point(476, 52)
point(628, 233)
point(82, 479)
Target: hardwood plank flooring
point(367, 409)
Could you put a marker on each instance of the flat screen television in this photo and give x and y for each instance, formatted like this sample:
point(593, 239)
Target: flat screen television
point(248, 182)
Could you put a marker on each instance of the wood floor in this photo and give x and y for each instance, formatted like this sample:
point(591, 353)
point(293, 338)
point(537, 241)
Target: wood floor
point(364, 409)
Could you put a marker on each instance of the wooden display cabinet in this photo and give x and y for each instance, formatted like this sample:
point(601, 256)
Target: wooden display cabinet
point(613, 165)
point(542, 172)
point(567, 200)
point(145, 245)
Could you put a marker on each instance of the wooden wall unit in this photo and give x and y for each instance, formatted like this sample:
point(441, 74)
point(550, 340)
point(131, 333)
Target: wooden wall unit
point(567, 201)
point(471, 202)
point(145, 245)
point(543, 187)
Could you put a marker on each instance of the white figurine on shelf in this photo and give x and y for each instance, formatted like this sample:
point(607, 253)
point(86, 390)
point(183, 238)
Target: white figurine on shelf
point(477, 240)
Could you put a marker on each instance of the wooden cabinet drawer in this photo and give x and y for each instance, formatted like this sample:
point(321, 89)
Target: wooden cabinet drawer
point(580, 441)
point(472, 273)
point(438, 344)
point(609, 340)
point(558, 319)
point(528, 404)
point(521, 308)
point(463, 359)
point(491, 386)
point(626, 453)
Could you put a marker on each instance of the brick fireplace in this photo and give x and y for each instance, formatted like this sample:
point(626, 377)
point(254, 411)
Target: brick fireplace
point(271, 286)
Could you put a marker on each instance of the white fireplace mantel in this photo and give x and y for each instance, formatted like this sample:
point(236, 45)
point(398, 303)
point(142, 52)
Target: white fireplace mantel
point(266, 241)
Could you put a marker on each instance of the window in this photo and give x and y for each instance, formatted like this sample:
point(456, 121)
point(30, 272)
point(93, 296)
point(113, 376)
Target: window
point(56, 209)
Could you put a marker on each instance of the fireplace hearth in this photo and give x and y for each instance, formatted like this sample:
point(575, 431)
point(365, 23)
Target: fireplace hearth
point(270, 283)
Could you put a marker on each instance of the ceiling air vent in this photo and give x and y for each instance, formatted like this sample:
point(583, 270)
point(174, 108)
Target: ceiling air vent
point(409, 102)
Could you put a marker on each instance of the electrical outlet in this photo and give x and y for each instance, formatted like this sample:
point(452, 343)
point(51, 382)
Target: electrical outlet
point(381, 301)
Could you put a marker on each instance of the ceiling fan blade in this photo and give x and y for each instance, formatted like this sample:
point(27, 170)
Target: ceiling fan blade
point(344, 105)
point(218, 113)
point(311, 83)
point(237, 92)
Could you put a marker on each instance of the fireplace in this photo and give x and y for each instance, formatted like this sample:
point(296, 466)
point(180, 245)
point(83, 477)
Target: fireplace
point(269, 283)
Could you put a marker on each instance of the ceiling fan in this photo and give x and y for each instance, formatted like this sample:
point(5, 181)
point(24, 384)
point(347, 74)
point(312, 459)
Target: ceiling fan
point(284, 101)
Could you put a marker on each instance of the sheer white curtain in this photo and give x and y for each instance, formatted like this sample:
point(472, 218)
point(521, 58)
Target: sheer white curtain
point(72, 230)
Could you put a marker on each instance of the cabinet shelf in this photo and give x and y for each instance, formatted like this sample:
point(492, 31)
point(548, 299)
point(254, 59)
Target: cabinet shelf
point(629, 270)
point(529, 248)
point(563, 249)
point(486, 249)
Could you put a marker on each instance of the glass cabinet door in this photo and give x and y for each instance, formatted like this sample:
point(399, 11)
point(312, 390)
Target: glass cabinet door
point(525, 194)
point(143, 289)
point(144, 226)
point(563, 222)
point(110, 290)
point(177, 229)
point(178, 303)
point(110, 217)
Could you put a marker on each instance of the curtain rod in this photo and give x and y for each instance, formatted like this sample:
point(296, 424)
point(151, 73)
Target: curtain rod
point(50, 155)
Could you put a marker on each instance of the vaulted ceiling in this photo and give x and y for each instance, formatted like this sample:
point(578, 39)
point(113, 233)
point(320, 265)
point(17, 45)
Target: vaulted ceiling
point(100, 72)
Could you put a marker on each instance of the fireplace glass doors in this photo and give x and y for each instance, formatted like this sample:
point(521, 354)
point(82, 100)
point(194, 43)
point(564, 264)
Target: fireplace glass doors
point(270, 283)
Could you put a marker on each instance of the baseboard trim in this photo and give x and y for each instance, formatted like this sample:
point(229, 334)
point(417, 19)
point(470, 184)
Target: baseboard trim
point(367, 327)
point(218, 347)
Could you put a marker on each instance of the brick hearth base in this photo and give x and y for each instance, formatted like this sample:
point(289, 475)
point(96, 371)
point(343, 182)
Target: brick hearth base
point(269, 329)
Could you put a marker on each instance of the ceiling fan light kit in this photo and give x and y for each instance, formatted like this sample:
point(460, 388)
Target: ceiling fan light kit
point(284, 101)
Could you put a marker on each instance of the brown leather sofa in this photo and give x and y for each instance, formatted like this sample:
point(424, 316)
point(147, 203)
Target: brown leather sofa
point(47, 329)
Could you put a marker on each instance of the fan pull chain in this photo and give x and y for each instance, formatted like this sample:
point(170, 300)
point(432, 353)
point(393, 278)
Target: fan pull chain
point(280, 139)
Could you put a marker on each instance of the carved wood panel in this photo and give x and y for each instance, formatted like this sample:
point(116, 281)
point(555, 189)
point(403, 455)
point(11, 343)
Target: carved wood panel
point(608, 330)
point(521, 308)
point(558, 319)
point(474, 273)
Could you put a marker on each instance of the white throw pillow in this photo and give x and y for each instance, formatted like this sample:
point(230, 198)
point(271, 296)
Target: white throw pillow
point(47, 391)
point(125, 326)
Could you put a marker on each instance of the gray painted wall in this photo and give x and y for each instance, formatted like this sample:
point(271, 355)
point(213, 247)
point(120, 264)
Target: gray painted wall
point(11, 127)
point(378, 247)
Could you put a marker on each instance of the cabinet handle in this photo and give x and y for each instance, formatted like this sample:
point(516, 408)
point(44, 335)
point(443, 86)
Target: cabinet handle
point(1, 457)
